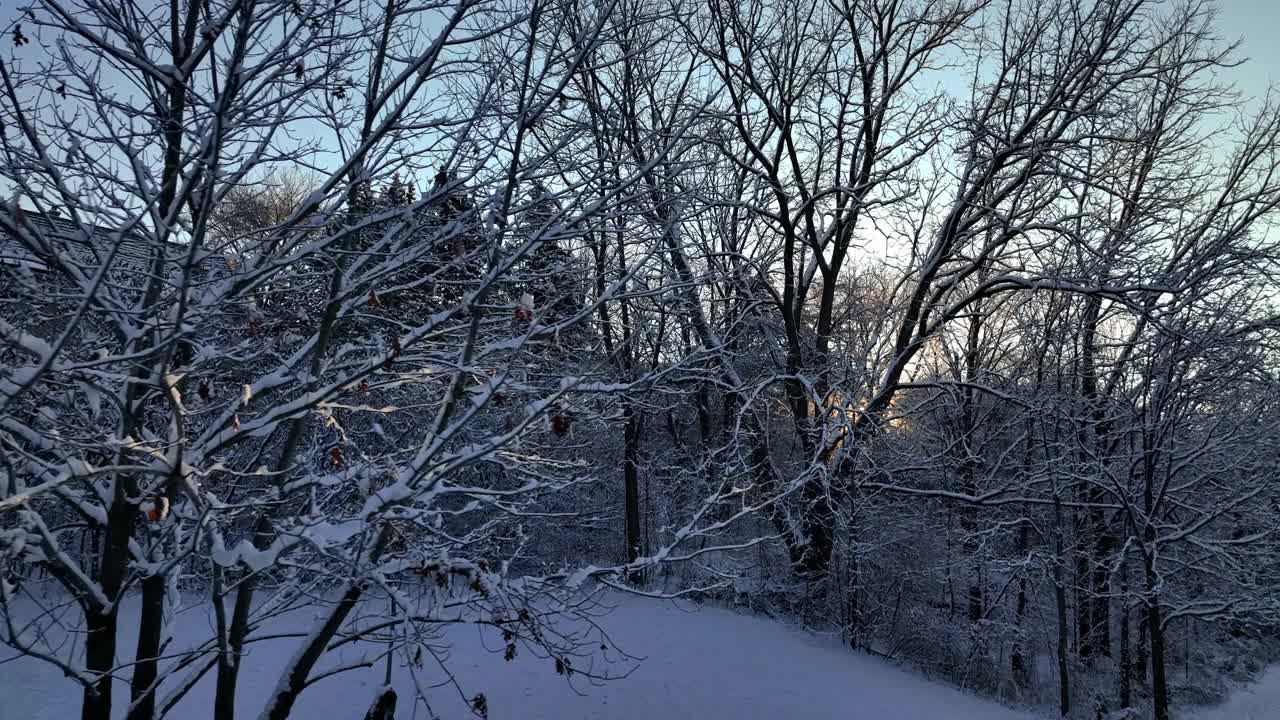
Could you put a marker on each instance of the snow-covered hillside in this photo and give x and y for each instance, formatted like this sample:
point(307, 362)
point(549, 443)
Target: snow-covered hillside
point(1259, 702)
point(698, 662)
point(694, 662)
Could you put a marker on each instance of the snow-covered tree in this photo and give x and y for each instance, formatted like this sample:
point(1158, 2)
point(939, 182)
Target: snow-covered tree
point(315, 404)
point(946, 326)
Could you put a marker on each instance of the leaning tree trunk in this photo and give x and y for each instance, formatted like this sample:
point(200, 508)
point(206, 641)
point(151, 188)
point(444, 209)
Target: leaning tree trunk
point(294, 681)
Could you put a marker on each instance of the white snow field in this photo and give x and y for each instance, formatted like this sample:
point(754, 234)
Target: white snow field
point(699, 663)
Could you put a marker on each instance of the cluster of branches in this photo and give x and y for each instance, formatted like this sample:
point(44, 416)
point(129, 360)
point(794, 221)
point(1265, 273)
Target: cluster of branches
point(819, 278)
point(247, 351)
point(1040, 306)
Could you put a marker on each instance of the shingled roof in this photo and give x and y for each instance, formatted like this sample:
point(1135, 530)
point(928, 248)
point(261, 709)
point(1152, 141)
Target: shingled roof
point(48, 234)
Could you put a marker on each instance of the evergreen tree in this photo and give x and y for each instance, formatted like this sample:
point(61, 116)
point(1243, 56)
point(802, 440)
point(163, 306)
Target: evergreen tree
point(552, 279)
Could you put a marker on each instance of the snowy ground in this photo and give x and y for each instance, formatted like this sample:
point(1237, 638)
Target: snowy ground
point(704, 663)
point(1260, 701)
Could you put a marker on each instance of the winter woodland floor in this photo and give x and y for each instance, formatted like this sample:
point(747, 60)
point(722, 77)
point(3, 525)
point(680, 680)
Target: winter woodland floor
point(701, 663)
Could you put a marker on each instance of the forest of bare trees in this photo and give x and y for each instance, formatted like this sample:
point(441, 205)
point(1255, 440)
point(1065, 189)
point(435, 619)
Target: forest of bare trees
point(945, 327)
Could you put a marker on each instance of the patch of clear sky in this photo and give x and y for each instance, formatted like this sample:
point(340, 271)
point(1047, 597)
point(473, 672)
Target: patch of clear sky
point(1253, 23)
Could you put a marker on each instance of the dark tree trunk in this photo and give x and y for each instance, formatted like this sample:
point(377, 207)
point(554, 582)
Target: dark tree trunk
point(1094, 609)
point(95, 551)
point(819, 518)
point(968, 464)
point(1064, 634)
point(1084, 609)
point(1064, 671)
point(631, 478)
point(99, 657)
point(1100, 629)
point(817, 508)
point(975, 601)
point(1155, 631)
point(151, 626)
point(224, 701)
point(1093, 605)
point(854, 589)
point(1126, 660)
point(969, 546)
point(1017, 662)
point(100, 638)
point(280, 705)
point(1140, 664)
point(767, 481)
point(1159, 683)
point(384, 707)
point(704, 416)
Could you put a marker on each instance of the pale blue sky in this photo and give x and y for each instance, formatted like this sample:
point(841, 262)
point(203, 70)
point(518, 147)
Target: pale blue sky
point(1255, 23)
